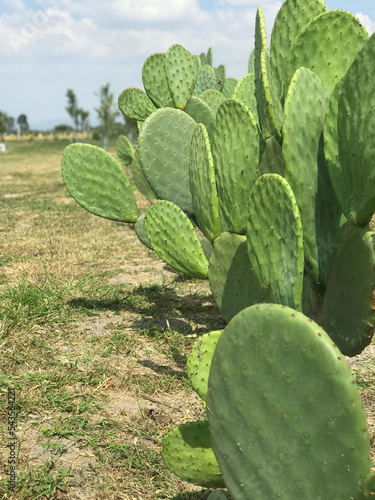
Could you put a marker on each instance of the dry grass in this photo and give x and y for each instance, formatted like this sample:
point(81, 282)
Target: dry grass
point(95, 338)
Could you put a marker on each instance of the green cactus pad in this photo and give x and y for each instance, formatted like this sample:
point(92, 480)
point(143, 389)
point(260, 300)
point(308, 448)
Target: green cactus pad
point(98, 183)
point(261, 48)
point(154, 79)
point(331, 148)
point(135, 103)
point(275, 241)
point(201, 113)
point(327, 45)
point(206, 247)
point(206, 80)
point(305, 109)
point(203, 58)
point(140, 230)
point(367, 489)
point(220, 76)
point(140, 180)
point(356, 124)
point(232, 280)
point(245, 92)
point(272, 158)
point(173, 238)
point(187, 453)
point(163, 148)
point(199, 362)
point(209, 56)
point(203, 184)
point(251, 63)
point(286, 420)
point(228, 87)
point(236, 158)
point(124, 150)
point(213, 98)
point(290, 20)
point(348, 315)
point(182, 74)
point(217, 495)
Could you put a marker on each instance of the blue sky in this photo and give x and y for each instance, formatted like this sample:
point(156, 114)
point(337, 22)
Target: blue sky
point(48, 46)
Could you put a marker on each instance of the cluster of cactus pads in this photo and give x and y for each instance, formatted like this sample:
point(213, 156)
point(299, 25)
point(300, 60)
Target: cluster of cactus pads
point(277, 172)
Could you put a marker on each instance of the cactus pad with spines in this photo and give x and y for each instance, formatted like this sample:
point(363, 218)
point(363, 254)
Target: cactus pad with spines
point(98, 183)
point(275, 241)
point(206, 80)
point(236, 158)
point(356, 125)
point(290, 20)
point(245, 92)
point(272, 158)
point(232, 280)
point(201, 113)
point(135, 103)
point(305, 109)
point(203, 184)
point(228, 87)
point(124, 150)
point(286, 419)
point(220, 76)
point(173, 238)
point(154, 79)
point(348, 313)
point(140, 230)
point(182, 73)
point(327, 45)
point(213, 98)
point(163, 148)
point(140, 180)
point(187, 452)
point(199, 362)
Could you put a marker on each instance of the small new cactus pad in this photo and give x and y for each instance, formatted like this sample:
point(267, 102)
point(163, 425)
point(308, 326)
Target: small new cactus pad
point(327, 45)
point(140, 180)
point(305, 109)
point(228, 87)
point(206, 80)
point(98, 183)
point(275, 241)
point(236, 159)
point(187, 453)
point(199, 362)
point(348, 314)
point(173, 238)
point(213, 98)
point(286, 419)
point(272, 158)
point(182, 75)
point(203, 184)
point(140, 230)
point(124, 150)
point(245, 92)
point(155, 79)
point(356, 124)
point(232, 280)
point(290, 20)
point(163, 148)
point(135, 103)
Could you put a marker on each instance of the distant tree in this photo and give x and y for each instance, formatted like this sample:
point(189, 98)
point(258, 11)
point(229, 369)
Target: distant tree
point(83, 119)
point(6, 124)
point(107, 112)
point(73, 110)
point(63, 128)
point(22, 122)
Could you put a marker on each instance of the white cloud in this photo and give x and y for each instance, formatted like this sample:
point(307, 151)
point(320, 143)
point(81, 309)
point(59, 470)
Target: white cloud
point(368, 23)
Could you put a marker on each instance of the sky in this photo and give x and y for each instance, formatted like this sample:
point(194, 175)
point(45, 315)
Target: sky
point(48, 46)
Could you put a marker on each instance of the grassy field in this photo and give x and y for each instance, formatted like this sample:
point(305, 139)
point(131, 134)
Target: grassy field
point(94, 332)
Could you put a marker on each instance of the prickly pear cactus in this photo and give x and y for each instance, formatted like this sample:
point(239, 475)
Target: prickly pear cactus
point(286, 419)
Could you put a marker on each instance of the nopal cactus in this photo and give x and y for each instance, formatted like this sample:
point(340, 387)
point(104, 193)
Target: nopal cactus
point(267, 168)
